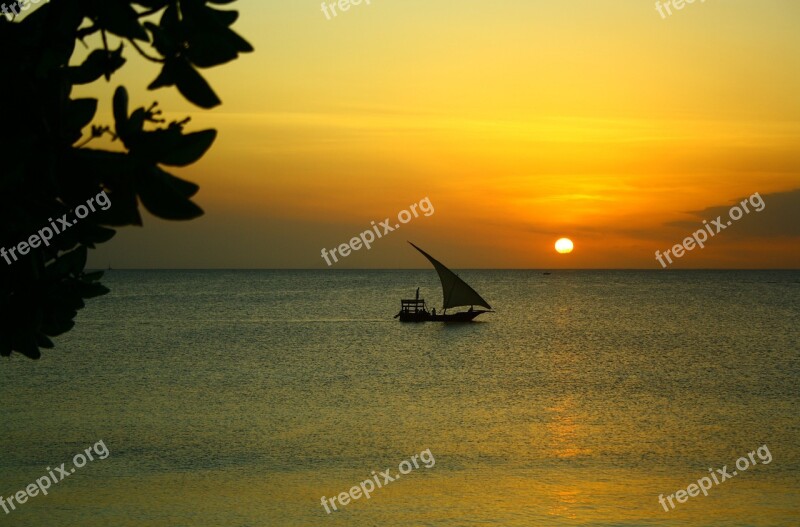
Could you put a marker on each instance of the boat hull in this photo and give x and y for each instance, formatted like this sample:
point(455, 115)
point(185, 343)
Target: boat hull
point(465, 316)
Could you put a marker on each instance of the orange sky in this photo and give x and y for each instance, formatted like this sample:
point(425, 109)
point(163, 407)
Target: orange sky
point(522, 121)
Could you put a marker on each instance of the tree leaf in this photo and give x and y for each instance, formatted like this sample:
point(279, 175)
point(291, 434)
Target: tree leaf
point(121, 111)
point(193, 86)
point(99, 63)
point(160, 196)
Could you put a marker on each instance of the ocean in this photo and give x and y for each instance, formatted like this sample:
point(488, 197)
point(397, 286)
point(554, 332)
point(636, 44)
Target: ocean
point(242, 398)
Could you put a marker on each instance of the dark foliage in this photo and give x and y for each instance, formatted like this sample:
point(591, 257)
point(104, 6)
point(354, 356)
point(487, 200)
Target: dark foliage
point(46, 169)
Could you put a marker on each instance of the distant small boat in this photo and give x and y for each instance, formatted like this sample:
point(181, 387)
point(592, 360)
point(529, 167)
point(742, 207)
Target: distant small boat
point(546, 273)
point(456, 293)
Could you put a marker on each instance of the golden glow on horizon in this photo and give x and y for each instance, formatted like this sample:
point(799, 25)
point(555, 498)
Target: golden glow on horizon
point(523, 120)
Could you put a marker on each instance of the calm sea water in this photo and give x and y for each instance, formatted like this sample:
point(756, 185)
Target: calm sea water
point(240, 398)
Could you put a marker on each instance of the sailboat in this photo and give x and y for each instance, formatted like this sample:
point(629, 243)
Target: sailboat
point(456, 293)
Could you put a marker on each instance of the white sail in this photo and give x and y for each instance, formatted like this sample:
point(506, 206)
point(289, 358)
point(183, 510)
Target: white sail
point(455, 290)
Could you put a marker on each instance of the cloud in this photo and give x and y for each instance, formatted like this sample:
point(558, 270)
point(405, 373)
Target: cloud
point(780, 217)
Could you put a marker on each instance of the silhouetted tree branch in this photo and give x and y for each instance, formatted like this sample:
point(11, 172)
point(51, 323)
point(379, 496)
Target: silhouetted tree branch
point(47, 171)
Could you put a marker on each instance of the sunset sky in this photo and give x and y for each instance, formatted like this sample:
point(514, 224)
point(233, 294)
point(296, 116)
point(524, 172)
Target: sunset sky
point(522, 121)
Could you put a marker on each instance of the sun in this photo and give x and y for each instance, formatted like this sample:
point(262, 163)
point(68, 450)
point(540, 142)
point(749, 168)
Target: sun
point(564, 245)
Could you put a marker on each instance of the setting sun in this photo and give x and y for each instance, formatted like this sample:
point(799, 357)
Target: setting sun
point(564, 245)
